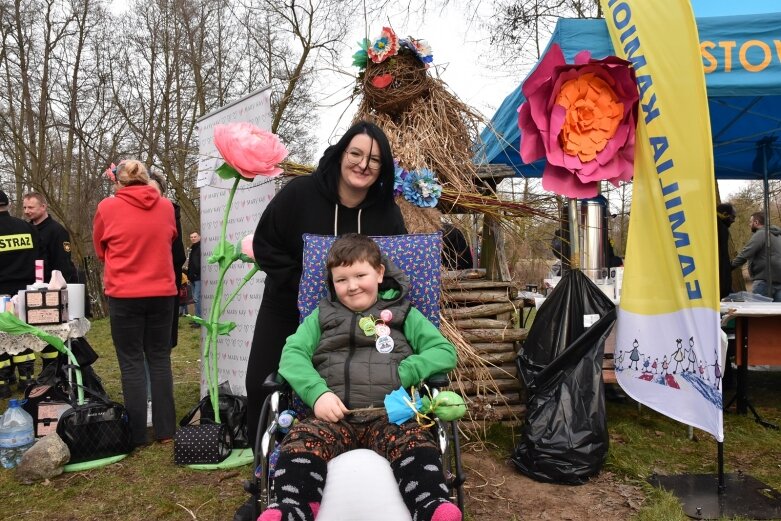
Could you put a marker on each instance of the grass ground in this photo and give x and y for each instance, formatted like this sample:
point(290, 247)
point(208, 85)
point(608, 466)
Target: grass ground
point(147, 485)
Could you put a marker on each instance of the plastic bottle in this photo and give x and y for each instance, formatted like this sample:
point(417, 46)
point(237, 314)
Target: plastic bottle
point(287, 419)
point(17, 434)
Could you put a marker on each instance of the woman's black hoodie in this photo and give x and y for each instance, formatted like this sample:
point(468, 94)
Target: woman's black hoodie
point(310, 204)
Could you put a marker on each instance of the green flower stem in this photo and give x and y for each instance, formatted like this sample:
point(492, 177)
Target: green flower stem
point(246, 279)
point(210, 350)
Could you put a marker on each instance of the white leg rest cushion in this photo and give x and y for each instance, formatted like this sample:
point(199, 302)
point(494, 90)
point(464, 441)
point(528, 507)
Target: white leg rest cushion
point(360, 487)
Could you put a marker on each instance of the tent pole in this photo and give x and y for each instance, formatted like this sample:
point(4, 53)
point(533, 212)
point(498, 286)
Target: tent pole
point(574, 233)
point(766, 189)
point(722, 487)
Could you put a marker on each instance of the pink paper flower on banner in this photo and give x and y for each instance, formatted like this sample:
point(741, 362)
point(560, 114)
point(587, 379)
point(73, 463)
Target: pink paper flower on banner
point(250, 150)
point(384, 47)
point(581, 118)
point(246, 246)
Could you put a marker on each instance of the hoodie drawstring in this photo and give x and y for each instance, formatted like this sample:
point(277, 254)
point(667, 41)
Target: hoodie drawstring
point(336, 218)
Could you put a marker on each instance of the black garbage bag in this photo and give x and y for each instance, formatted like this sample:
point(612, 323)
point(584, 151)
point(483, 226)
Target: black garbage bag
point(565, 439)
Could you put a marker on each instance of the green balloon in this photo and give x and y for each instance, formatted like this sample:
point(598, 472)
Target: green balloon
point(447, 405)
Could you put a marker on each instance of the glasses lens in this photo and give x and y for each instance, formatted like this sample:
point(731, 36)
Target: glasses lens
point(354, 158)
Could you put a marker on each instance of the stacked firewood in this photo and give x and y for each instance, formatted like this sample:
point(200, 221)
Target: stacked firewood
point(481, 317)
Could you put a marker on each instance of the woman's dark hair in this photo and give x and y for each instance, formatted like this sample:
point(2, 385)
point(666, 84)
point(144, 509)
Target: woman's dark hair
point(160, 180)
point(329, 166)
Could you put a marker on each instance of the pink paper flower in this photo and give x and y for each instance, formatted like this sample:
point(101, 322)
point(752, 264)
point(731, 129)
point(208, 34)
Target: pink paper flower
point(111, 173)
point(246, 246)
point(581, 117)
point(251, 151)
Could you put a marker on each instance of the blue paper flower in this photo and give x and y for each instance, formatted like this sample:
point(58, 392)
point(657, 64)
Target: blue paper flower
point(400, 406)
point(421, 188)
point(399, 175)
point(419, 48)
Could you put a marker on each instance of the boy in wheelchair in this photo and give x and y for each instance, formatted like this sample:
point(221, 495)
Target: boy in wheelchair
point(362, 342)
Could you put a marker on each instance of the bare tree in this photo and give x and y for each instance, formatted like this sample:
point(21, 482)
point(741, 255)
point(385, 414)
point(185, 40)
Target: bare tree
point(524, 26)
point(80, 88)
point(291, 44)
point(52, 122)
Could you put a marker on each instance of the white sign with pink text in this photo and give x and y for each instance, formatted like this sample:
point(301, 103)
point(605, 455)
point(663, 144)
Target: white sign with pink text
point(250, 200)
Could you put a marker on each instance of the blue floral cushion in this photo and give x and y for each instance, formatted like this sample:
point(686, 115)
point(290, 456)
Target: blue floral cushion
point(418, 255)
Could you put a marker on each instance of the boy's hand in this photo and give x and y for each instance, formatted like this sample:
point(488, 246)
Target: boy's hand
point(330, 408)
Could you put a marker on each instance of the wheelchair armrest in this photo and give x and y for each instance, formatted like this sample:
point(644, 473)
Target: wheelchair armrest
point(274, 383)
point(438, 380)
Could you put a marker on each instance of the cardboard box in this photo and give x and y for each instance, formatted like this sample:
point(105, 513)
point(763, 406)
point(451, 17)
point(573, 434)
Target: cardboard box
point(46, 306)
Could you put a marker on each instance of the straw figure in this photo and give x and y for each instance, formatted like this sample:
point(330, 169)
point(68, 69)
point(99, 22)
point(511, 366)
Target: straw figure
point(429, 128)
point(431, 134)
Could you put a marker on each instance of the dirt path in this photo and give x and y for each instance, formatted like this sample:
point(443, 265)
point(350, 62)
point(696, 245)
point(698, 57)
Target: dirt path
point(495, 491)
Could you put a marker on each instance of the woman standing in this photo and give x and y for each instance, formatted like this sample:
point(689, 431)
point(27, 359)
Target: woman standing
point(351, 191)
point(133, 234)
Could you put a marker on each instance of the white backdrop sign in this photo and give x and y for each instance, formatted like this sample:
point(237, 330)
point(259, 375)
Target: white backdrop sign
point(248, 204)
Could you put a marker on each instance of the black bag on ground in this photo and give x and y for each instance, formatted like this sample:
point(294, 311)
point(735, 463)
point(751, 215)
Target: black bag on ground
point(565, 438)
point(233, 412)
point(51, 395)
point(95, 430)
point(204, 443)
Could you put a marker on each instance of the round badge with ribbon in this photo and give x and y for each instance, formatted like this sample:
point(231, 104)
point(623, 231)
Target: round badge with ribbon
point(384, 344)
point(378, 328)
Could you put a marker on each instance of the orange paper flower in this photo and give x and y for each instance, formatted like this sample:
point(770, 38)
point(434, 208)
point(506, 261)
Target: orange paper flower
point(581, 118)
point(592, 118)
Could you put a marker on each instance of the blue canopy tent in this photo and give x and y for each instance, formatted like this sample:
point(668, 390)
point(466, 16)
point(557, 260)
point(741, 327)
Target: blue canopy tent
point(742, 62)
point(742, 58)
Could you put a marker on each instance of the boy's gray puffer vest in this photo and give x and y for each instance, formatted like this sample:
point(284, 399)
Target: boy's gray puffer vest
point(348, 360)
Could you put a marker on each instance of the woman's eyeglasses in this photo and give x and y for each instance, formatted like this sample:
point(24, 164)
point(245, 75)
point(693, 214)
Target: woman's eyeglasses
point(355, 158)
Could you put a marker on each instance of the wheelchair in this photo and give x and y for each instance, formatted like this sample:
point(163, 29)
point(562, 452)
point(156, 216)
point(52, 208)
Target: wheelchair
point(419, 256)
point(272, 429)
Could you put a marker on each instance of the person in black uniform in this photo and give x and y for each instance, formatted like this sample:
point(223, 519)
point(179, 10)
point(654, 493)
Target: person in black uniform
point(55, 251)
point(55, 239)
point(18, 251)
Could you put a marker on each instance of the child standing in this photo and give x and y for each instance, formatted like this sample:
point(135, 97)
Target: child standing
point(362, 342)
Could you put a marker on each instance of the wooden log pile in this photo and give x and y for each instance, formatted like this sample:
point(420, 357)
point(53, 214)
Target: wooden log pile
point(485, 313)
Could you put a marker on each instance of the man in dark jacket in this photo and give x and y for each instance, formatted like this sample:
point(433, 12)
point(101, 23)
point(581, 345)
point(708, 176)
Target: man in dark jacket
point(725, 216)
point(55, 251)
point(55, 240)
point(194, 272)
point(764, 260)
point(18, 251)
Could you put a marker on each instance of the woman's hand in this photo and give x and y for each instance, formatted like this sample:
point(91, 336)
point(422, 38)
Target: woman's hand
point(330, 408)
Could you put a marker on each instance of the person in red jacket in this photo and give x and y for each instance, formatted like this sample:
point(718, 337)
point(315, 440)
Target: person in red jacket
point(132, 233)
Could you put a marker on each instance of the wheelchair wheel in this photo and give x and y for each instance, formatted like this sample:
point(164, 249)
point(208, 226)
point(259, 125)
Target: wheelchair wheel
point(450, 444)
point(268, 436)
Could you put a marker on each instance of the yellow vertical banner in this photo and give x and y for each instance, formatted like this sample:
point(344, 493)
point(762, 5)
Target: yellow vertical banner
point(668, 349)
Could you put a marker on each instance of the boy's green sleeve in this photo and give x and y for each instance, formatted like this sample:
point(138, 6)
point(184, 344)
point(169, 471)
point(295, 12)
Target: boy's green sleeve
point(433, 353)
point(296, 367)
